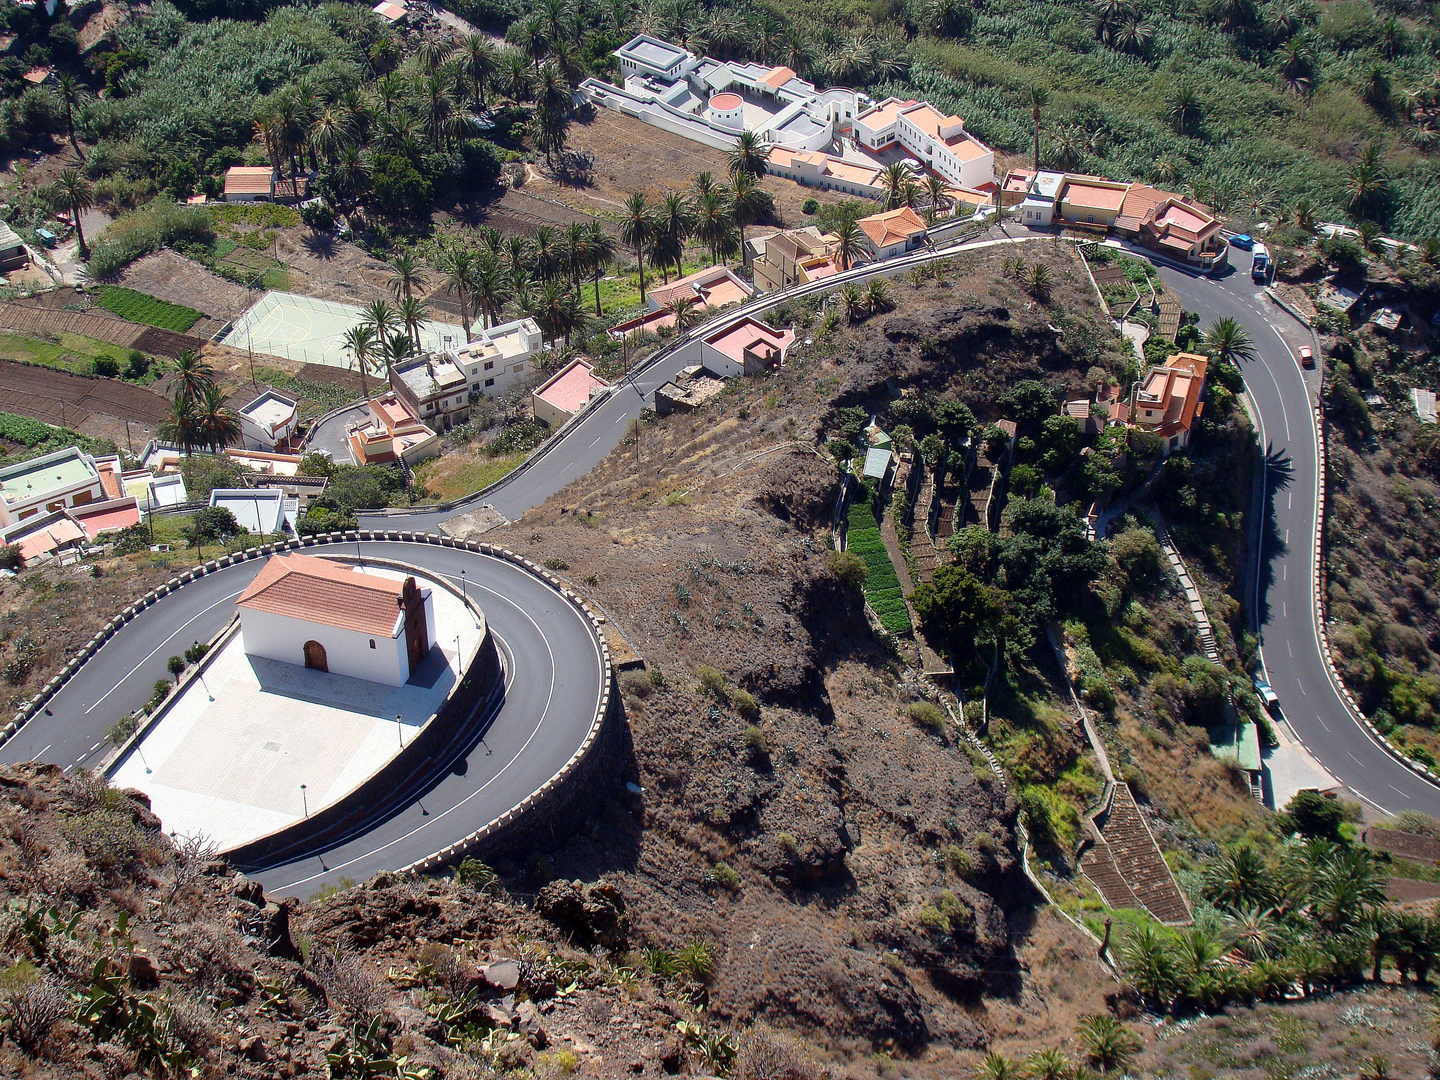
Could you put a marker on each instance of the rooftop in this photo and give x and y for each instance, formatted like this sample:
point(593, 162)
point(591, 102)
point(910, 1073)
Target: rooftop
point(260, 510)
point(35, 536)
point(715, 286)
point(892, 227)
point(750, 334)
point(877, 462)
point(653, 52)
point(570, 388)
point(317, 590)
point(8, 239)
point(779, 76)
point(428, 375)
point(248, 180)
point(38, 477)
point(885, 113)
point(1095, 196)
point(388, 11)
point(96, 518)
point(270, 410)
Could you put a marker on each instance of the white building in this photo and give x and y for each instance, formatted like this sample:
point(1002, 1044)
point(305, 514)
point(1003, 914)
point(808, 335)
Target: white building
point(268, 421)
point(711, 101)
point(57, 481)
point(320, 614)
point(939, 142)
point(501, 358)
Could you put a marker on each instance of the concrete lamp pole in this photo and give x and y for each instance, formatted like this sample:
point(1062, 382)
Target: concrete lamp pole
point(464, 592)
point(304, 802)
point(399, 731)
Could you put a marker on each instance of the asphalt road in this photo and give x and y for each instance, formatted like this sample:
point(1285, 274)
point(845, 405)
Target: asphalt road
point(1283, 396)
point(553, 686)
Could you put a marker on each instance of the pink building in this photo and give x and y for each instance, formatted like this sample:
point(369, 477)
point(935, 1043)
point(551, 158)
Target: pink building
point(566, 392)
point(747, 348)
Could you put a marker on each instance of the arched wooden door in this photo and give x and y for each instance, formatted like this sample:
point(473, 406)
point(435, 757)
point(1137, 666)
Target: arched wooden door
point(315, 656)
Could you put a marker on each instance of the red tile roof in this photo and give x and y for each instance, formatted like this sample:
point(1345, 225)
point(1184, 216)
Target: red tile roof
point(892, 227)
point(317, 590)
point(248, 180)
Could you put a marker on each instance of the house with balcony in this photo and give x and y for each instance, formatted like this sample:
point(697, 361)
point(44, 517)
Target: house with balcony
point(1166, 401)
point(817, 169)
point(391, 433)
point(501, 358)
point(57, 481)
point(791, 257)
point(433, 388)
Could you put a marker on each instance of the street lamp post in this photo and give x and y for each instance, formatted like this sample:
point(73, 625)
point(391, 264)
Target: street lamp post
point(304, 801)
point(399, 731)
point(464, 592)
point(200, 670)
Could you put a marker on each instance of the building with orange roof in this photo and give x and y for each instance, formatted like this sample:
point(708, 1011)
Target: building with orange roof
point(892, 232)
point(392, 433)
point(1090, 201)
point(327, 616)
point(1183, 229)
point(249, 183)
point(791, 257)
point(1167, 400)
point(815, 168)
point(51, 533)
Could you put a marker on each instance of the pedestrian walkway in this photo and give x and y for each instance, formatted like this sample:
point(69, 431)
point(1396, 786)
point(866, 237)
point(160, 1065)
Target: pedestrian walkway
point(1203, 630)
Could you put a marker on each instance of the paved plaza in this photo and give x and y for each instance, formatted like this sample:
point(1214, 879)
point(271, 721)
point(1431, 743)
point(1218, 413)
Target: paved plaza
point(232, 767)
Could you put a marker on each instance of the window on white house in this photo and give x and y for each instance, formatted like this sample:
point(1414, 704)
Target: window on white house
point(489, 365)
point(372, 643)
point(489, 382)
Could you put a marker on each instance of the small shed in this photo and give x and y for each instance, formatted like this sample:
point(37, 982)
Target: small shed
point(13, 253)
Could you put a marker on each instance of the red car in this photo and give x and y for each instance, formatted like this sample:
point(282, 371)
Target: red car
point(1307, 357)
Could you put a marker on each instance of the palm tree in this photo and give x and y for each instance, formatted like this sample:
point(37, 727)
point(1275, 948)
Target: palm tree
point(74, 194)
point(1039, 99)
point(575, 252)
point(359, 341)
point(380, 317)
point(1134, 36)
point(1227, 343)
point(1109, 1045)
point(478, 63)
point(487, 285)
point(406, 274)
point(1047, 1065)
point(1037, 282)
point(849, 243)
point(601, 247)
point(748, 155)
point(937, 197)
point(458, 263)
point(546, 253)
point(550, 130)
point(1067, 147)
point(637, 228)
point(749, 202)
point(711, 212)
point(414, 314)
point(998, 1067)
point(877, 296)
point(68, 89)
point(1183, 110)
point(558, 311)
point(514, 77)
point(192, 375)
point(438, 105)
point(1254, 931)
point(180, 427)
point(1150, 963)
point(1346, 887)
point(1297, 67)
point(685, 312)
point(329, 133)
point(217, 424)
point(1375, 88)
point(893, 180)
point(852, 302)
point(674, 223)
point(1367, 181)
point(432, 54)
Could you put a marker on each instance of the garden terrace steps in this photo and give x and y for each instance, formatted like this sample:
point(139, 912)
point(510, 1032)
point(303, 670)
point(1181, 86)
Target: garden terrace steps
point(1098, 864)
point(923, 553)
point(1203, 630)
point(1170, 312)
point(1138, 860)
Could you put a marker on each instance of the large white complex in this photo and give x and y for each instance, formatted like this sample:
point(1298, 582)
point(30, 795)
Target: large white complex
point(318, 614)
point(837, 139)
point(711, 101)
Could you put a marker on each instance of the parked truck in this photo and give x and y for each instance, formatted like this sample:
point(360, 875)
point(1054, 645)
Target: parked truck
point(1260, 264)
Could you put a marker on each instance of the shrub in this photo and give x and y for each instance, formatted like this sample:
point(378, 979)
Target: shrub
point(158, 693)
point(850, 568)
point(756, 741)
point(810, 205)
point(476, 874)
point(723, 875)
point(926, 715)
point(105, 367)
point(946, 914)
point(176, 664)
point(10, 557)
point(635, 684)
point(713, 682)
point(318, 216)
point(121, 729)
point(696, 959)
point(556, 564)
point(212, 523)
point(196, 652)
point(744, 703)
point(137, 365)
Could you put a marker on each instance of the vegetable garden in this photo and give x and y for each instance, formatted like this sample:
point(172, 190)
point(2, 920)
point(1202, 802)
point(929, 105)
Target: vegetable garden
point(882, 587)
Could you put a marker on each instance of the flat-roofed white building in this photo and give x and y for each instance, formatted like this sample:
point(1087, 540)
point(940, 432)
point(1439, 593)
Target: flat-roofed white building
point(268, 421)
point(323, 615)
point(500, 358)
point(57, 481)
point(938, 141)
point(266, 511)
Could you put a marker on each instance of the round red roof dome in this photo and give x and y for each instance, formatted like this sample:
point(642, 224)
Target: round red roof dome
point(725, 102)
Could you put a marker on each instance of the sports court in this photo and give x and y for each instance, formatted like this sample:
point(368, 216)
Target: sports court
point(311, 331)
